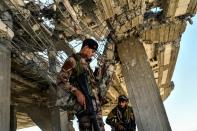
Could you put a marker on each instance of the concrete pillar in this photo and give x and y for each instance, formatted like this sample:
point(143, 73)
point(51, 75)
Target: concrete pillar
point(13, 120)
point(41, 117)
point(70, 126)
point(143, 92)
point(6, 35)
point(70, 116)
point(59, 120)
point(48, 119)
point(64, 123)
point(55, 120)
point(5, 71)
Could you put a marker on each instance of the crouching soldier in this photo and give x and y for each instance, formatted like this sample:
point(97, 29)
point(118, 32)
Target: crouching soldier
point(121, 118)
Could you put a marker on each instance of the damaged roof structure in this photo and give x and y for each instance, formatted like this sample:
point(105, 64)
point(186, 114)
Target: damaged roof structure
point(42, 34)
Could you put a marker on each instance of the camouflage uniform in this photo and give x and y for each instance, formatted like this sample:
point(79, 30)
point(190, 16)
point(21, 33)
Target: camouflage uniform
point(66, 82)
point(124, 117)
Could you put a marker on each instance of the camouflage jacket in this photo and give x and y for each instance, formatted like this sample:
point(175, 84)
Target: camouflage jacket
point(66, 82)
point(125, 118)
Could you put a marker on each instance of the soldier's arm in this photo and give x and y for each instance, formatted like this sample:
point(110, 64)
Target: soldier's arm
point(112, 118)
point(132, 114)
point(103, 77)
point(64, 77)
point(65, 73)
point(100, 70)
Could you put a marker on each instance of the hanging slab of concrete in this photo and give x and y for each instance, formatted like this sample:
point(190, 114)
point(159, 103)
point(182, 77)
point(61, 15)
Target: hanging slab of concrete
point(47, 119)
point(143, 92)
point(5, 69)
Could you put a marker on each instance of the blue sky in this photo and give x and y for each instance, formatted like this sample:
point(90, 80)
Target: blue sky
point(181, 105)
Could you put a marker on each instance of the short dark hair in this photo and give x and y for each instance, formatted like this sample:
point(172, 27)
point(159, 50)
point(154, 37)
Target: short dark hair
point(90, 43)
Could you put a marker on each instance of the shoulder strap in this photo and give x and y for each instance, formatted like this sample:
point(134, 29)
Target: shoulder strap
point(76, 56)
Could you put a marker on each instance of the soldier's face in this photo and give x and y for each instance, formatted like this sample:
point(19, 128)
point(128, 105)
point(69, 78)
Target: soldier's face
point(122, 104)
point(88, 52)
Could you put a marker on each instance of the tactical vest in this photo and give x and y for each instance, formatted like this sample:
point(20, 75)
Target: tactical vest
point(67, 100)
point(77, 71)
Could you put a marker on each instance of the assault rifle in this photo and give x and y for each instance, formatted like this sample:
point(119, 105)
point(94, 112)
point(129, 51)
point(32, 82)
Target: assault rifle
point(83, 85)
point(128, 125)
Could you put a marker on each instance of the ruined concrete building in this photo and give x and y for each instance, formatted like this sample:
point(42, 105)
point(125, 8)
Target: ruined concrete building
point(139, 39)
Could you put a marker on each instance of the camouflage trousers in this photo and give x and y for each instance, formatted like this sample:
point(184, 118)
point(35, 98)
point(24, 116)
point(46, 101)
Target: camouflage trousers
point(85, 123)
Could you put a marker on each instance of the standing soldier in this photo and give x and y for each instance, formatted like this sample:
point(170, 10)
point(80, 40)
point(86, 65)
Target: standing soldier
point(121, 118)
point(76, 80)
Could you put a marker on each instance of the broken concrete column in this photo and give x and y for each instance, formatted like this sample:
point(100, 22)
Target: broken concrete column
point(70, 117)
point(143, 92)
point(6, 35)
point(39, 115)
point(5, 71)
point(64, 123)
point(47, 119)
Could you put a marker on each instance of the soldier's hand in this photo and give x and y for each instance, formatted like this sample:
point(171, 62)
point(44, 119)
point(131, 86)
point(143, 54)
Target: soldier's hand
point(101, 61)
point(121, 128)
point(80, 98)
